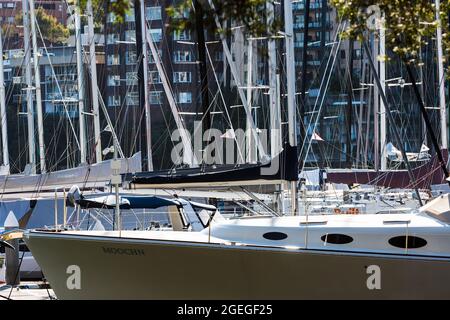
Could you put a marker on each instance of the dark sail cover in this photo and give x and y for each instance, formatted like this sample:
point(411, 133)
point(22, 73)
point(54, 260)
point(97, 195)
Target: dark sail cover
point(429, 173)
point(281, 167)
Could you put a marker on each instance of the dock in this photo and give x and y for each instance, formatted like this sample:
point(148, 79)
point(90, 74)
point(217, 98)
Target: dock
point(27, 290)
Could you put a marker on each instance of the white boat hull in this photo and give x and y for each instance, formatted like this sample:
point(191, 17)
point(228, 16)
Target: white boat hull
point(125, 268)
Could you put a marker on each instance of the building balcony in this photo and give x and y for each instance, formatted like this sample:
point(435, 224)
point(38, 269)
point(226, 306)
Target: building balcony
point(301, 5)
point(312, 25)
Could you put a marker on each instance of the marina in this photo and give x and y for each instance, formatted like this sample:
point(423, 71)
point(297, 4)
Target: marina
point(224, 150)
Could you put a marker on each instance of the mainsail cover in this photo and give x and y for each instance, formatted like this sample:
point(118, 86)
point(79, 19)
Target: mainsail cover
point(282, 167)
point(97, 175)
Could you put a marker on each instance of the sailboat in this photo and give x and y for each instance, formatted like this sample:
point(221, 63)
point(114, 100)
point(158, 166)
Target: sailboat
point(404, 256)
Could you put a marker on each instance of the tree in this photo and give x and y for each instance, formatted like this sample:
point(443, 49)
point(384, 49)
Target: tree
point(409, 23)
point(249, 13)
point(51, 29)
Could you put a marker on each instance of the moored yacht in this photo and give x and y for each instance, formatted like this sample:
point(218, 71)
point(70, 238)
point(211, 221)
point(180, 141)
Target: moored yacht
point(405, 256)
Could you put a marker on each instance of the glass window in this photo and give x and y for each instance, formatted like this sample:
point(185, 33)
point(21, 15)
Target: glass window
point(112, 38)
point(219, 56)
point(155, 97)
point(113, 60)
point(130, 35)
point(113, 80)
point(156, 34)
point(182, 77)
point(129, 16)
point(132, 98)
point(114, 101)
point(153, 13)
point(111, 17)
point(132, 78)
point(154, 77)
point(130, 57)
point(150, 56)
point(182, 35)
point(182, 56)
point(184, 97)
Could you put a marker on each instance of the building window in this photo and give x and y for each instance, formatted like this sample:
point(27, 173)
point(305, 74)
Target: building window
point(113, 101)
point(155, 97)
point(156, 34)
point(218, 56)
point(129, 17)
point(154, 77)
point(181, 35)
point(130, 35)
point(112, 38)
point(150, 56)
point(182, 77)
point(111, 17)
point(182, 56)
point(132, 78)
point(130, 57)
point(113, 60)
point(132, 98)
point(153, 13)
point(184, 97)
point(113, 80)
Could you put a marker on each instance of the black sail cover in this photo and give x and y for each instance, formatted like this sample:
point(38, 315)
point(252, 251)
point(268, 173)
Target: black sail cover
point(281, 167)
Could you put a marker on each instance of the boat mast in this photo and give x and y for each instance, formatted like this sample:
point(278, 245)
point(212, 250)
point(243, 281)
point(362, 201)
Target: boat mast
point(94, 88)
point(382, 109)
point(37, 80)
point(141, 45)
point(442, 102)
point(188, 153)
point(201, 58)
point(275, 117)
point(80, 80)
point(304, 70)
point(3, 118)
point(30, 113)
point(249, 141)
point(290, 75)
point(349, 113)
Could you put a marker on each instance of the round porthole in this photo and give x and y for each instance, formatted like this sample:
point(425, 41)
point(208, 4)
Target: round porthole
point(336, 238)
point(275, 236)
point(411, 243)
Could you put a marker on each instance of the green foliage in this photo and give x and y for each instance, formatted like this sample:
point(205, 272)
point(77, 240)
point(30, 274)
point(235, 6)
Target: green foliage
point(251, 14)
point(409, 24)
point(51, 29)
point(118, 7)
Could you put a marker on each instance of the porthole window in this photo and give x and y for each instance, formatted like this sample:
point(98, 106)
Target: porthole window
point(336, 238)
point(411, 243)
point(275, 235)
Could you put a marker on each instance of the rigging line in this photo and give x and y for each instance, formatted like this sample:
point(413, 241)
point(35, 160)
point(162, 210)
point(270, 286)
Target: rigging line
point(320, 88)
point(164, 70)
point(57, 83)
point(320, 107)
point(122, 107)
point(323, 96)
point(223, 99)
